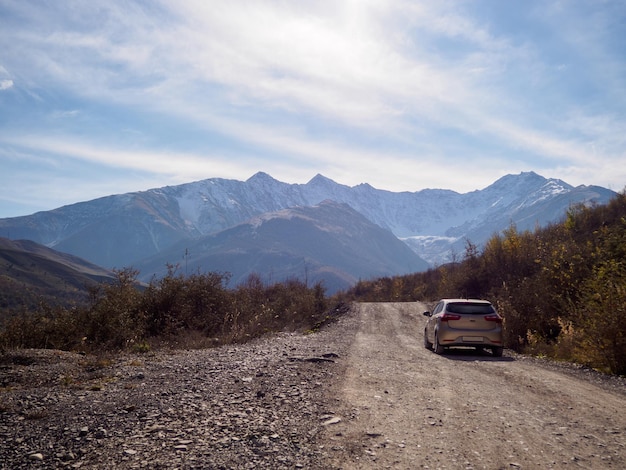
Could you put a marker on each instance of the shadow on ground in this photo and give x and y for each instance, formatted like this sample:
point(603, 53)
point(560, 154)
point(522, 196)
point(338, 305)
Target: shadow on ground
point(471, 354)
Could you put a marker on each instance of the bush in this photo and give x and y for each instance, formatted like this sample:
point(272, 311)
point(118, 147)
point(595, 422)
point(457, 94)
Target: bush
point(177, 310)
point(600, 320)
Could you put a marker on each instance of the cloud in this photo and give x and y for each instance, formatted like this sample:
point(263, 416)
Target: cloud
point(422, 86)
point(357, 64)
point(344, 163)
point(5, 84)
point(66, 114)
point(368, 66)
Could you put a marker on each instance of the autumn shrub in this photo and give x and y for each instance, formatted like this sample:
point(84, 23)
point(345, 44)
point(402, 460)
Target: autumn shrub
point(289, 305)
point(48, 327)
point(601, 319)
point(178, 303)
point(113, 319)
point(180, 311)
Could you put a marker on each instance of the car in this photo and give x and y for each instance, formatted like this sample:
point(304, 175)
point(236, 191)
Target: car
point(464, 322)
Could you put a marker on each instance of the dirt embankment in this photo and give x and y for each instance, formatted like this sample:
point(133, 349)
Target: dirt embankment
point(363, 393)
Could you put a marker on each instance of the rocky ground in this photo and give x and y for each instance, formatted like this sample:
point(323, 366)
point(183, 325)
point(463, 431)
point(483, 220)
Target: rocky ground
point(256, 405)
point(363, 393)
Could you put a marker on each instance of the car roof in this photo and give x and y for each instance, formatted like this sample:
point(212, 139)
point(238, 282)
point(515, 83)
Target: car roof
point(474, 301)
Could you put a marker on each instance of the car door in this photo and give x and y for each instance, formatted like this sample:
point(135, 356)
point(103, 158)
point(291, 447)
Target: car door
point(432, 322)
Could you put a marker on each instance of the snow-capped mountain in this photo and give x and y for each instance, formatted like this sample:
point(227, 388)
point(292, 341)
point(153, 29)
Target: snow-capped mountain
point(122, 230)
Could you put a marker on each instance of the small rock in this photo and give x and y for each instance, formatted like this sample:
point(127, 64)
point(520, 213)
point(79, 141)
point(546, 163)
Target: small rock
point(330, 421)
point(335, 355)
point(36, 456)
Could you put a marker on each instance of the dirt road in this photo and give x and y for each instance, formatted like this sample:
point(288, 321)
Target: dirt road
point(404, 407)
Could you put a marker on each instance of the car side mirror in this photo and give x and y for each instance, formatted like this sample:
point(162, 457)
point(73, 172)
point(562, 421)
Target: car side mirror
point(428, 314)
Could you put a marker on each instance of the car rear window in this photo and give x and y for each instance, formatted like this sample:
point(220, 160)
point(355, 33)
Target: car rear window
point(470, 308)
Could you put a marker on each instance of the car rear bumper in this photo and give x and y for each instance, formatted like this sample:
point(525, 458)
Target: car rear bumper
point(448, 337)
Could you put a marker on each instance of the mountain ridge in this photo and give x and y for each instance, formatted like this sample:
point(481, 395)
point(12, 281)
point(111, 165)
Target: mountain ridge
point(121, 230)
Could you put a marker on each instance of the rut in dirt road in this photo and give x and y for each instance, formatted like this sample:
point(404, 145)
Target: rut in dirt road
point(405, 407)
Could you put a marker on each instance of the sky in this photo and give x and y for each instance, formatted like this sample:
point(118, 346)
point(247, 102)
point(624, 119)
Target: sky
point(101, 97)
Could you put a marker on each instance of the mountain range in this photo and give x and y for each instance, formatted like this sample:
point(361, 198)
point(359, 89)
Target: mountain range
point(320, 230)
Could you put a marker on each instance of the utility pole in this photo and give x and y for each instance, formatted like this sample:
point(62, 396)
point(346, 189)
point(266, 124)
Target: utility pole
point(306, 274)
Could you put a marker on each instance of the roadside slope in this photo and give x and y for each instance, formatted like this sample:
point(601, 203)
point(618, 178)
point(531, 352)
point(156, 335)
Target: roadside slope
point(405, 407)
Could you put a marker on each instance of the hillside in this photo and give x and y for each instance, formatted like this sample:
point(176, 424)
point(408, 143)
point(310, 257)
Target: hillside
point(329, 243)
point(30, 272)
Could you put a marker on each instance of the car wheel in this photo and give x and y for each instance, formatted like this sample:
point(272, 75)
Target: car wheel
point(439, 349)
point(497, 351)
point(427, 344)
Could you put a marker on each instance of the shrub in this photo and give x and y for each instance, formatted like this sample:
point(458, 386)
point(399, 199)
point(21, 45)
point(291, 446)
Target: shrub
point(185, 311)
point(601, 319)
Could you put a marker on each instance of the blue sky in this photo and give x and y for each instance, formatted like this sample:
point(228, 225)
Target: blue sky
point(101, 97)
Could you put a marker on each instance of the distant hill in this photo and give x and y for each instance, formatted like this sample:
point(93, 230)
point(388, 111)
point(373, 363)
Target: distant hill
point(329, 243)
point(30, 272)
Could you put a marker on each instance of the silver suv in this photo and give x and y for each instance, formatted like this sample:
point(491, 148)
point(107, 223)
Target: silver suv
point(464, 322)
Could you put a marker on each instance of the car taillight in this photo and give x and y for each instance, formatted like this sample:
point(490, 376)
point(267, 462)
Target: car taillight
point(450, 316)
point(493, 317)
